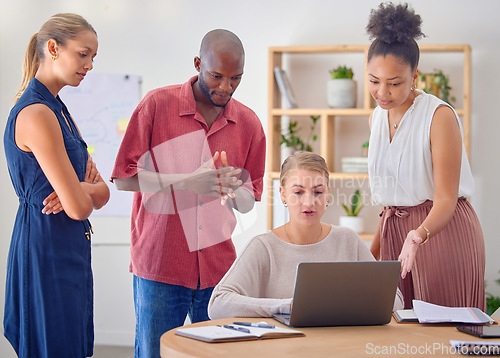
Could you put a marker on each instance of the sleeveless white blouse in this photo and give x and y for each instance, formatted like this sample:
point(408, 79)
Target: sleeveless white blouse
point(401, 171)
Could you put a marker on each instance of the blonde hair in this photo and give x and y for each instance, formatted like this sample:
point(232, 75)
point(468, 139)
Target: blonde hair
point(60, 27)
point(306, 161)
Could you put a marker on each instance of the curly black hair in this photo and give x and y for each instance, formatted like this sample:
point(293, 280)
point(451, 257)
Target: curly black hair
point(394, 23)
point(395, 29)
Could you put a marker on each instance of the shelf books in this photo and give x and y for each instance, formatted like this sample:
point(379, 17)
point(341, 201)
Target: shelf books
point(355, 164)
point(285, 88)
point(217, 334)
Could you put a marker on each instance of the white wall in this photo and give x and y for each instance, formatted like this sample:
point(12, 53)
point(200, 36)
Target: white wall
point(157, 39)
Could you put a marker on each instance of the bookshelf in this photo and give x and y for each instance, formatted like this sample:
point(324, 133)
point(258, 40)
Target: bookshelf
point(327, 129)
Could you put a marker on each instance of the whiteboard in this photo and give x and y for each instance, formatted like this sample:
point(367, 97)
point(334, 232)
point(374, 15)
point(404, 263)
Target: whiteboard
point(101, 107)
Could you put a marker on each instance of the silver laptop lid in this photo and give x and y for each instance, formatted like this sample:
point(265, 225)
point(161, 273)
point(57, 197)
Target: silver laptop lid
point(344, 293)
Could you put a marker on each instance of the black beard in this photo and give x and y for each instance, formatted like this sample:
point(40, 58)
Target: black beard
point(206, 92)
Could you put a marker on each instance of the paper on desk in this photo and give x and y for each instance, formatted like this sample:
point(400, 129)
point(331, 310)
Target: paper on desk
point(477, 347)
point(431, 313)
point(456, 343)
point(223, 334)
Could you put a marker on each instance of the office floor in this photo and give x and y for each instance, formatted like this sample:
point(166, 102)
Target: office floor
point(113, 352)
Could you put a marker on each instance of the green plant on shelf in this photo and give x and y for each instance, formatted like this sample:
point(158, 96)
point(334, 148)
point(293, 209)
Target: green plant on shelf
point(356, 204)
point(365, 147)
point(441, 82)
point(341, 72)
point(291, 139)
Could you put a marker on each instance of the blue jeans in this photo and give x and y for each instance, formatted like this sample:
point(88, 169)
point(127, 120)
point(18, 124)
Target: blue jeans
point(160, 307)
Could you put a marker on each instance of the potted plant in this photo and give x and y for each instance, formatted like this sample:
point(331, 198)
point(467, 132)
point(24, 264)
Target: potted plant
point(365, 148)
point(352, 220)
point(436, 83)
point(291, 139)
point(492, 301)
point(341, 88)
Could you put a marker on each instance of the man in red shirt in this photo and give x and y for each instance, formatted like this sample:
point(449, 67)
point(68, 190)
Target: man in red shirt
point(191, 154)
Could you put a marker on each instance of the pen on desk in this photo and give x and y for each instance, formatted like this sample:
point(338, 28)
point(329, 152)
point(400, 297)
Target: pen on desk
point(241, 329)
point(249, 324)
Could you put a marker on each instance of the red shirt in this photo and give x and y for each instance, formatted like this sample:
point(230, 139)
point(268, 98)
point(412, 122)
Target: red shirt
point(180, 238)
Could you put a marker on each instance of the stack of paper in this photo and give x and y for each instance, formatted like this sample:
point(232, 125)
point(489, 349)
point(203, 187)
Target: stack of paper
point(355, 165)
point(407, 315)
point(430, 313)
point(476, 347)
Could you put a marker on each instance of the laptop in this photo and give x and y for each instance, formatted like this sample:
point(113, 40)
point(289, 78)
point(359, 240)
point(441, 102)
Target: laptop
point(343, 294)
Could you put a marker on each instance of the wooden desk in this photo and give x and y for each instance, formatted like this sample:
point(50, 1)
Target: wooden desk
point(391, 340)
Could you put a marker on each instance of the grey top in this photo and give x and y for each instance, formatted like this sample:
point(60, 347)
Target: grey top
point(261, 281)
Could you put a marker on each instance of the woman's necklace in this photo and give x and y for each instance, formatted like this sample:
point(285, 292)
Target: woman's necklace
point(290, 239)
point(396, 123)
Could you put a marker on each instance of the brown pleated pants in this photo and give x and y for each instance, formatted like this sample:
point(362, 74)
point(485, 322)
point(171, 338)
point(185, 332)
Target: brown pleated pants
point(449, 268)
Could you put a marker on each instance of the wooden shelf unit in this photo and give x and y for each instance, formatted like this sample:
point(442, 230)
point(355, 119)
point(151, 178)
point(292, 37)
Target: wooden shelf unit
point(327, 115)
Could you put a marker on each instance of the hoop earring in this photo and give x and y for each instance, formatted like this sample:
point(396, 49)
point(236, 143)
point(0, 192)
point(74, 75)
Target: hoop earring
point(413, 88)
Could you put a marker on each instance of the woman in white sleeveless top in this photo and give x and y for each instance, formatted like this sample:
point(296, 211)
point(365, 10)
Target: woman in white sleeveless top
point(420, 173)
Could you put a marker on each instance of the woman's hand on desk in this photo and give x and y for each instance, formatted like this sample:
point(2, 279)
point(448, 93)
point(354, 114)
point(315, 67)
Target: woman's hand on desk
point(409, 251)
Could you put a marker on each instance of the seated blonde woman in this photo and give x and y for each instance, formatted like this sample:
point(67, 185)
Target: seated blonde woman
point(261, 281)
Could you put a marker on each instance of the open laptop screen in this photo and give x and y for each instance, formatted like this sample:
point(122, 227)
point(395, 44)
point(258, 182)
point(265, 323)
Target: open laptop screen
point(343, 293)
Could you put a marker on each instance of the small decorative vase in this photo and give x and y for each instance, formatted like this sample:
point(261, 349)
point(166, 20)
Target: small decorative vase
point(286, 152)
point(354, 223)
point(341, 93)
